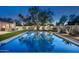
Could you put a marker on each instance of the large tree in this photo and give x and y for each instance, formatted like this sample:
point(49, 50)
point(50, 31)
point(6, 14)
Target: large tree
point(45, 17)
point(73, 20)
point(21, 18)
point(63, 19)
point(39, 16)
point(61, 23)
point(34, 14)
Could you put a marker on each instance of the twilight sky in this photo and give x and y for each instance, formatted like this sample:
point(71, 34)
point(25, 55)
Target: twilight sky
point(13, 11)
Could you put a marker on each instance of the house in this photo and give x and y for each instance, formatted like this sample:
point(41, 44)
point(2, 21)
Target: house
point(7, 25)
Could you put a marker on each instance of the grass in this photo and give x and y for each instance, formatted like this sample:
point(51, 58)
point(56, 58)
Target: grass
point(8, 35)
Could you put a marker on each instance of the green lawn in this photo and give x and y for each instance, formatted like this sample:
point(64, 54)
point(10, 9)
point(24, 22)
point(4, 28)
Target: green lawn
point(8, 35)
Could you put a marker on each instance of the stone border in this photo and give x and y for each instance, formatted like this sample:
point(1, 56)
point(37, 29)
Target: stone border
point(69, 39)
point(10, 39)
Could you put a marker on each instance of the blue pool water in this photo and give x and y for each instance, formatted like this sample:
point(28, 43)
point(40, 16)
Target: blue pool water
point(39, 42)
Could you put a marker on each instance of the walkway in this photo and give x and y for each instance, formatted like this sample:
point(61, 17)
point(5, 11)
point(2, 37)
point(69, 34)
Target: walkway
point(70, 38)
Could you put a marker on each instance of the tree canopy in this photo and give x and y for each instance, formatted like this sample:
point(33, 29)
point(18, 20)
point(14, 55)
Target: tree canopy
point(37, 16)
point(62, 20)
point(74, 20)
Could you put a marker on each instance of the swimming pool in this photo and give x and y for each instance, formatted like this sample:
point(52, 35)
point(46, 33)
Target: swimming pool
point(39, 42)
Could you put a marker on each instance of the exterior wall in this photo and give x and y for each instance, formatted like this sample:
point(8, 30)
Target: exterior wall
point(73, 27)
point(12, 26)
point(5, 26)
point(19, 28)
point(34, 27)
point(41, 27)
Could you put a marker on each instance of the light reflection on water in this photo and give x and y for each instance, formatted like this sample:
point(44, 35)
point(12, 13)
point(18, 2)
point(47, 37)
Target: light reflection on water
point(39, 42)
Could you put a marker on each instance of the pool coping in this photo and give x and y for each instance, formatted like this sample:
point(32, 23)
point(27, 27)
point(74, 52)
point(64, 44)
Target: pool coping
point(11, 38)
point(65, 38)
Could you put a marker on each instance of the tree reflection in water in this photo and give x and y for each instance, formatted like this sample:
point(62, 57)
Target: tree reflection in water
point(43, 42)
point(67, 42)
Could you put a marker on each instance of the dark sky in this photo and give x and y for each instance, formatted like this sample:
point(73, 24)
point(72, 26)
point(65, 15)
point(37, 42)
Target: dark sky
point(13, 11)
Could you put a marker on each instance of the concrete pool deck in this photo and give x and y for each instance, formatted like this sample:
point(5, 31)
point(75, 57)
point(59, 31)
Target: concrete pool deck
point(70, 38)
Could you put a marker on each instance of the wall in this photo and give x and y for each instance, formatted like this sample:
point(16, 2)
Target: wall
point(7, 26)
point(34, 27)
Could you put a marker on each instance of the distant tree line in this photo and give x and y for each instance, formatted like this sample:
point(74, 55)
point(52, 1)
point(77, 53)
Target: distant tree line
point(69, 20)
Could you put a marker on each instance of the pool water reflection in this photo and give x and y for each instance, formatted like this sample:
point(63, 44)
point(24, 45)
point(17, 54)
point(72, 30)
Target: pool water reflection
point(39, 42)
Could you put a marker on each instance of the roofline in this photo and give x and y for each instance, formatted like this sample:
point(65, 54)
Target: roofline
point(6, 21)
